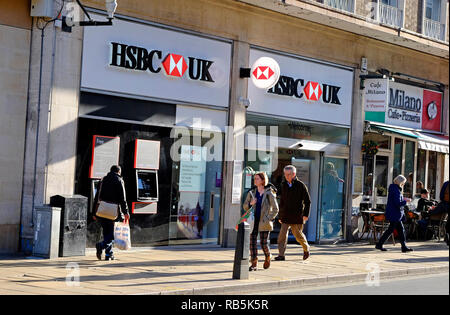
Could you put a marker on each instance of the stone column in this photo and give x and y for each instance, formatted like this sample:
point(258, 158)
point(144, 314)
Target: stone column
point(49, 166)
point(234, 143)
point(356, 140)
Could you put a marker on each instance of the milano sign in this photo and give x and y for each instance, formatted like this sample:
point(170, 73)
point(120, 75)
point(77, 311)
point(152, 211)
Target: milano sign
point(402, 105)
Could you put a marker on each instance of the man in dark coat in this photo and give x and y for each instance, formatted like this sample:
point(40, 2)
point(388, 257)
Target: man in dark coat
point(295, 204)
point(112, 190)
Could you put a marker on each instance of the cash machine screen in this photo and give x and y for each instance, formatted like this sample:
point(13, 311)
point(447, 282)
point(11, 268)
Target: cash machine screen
point(147, 183)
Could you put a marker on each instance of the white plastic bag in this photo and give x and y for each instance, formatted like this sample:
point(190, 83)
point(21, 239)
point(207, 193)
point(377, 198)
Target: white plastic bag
point(251, 221)
point(122, 239)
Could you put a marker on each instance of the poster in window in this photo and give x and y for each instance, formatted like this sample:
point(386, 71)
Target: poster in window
point(357, 183)
point(105, 153)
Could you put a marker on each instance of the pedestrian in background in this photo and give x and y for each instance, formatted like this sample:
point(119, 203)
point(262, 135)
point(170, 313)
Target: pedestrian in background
point(111, 190)
point(395, 214)
point(263, 199)
point(295, 204)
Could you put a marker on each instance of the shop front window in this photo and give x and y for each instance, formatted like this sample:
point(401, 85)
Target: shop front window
point(384, 142)
point(409, 168)
point(398, 157)
point(332, 198)
point(301, 130)
point(421, 167)
point(368, 175)
point(197, 180)
point(432, 169)
point(381, 176)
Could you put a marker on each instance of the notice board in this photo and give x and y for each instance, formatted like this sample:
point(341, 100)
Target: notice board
point(105, 153)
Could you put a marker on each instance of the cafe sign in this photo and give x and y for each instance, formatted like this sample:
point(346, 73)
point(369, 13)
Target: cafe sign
point(402, 105)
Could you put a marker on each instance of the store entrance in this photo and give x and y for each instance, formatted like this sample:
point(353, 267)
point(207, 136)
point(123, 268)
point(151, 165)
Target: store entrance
point(273, 163)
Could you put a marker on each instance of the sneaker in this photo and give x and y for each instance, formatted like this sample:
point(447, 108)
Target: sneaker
point(305, 255)
point(111, 257)
point(99, 251)
point(280, 258)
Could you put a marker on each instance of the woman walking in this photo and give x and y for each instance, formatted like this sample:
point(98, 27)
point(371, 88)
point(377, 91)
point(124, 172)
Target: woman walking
point(395, 214)
point(263, 199)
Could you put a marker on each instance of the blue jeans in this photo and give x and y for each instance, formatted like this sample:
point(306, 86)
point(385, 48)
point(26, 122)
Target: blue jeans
point(108, 236)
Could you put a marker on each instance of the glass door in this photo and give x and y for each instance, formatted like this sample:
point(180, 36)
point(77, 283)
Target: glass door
point(332, 199)
point(382, 180)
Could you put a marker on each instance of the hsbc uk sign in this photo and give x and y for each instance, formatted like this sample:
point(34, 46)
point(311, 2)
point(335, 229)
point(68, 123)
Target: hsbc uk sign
point(141, 59)
point(308, 90)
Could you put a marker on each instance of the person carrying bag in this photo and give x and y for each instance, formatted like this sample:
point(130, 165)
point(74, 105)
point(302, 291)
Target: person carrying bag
point(110, 198)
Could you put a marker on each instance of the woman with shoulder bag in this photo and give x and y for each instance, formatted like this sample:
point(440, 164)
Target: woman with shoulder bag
point(263, 199)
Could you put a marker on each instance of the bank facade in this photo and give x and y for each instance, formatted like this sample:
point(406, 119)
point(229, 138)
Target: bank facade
point(159, 91)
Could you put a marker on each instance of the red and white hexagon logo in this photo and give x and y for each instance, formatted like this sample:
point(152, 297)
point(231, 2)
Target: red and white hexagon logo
point(263, 73)
point(313, 91)
point(175, 65)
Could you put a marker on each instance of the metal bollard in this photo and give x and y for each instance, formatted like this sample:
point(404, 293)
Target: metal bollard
point(240, 267)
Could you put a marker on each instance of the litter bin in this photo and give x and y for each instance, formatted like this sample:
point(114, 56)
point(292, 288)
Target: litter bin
point(46, 232)
point(73, 224)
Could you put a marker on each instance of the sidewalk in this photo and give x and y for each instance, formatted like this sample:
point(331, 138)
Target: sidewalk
point(208, 269)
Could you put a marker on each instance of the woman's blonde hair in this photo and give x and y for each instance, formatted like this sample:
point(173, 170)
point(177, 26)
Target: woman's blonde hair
point(263, 177)
point(400, 179)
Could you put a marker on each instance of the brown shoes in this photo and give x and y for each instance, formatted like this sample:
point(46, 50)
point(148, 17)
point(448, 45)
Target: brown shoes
point(254, 265)
point(305, 255)
point(267, 262)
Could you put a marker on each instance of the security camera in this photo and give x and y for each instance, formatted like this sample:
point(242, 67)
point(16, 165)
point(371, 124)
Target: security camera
point(111, 6)
point(244, 102)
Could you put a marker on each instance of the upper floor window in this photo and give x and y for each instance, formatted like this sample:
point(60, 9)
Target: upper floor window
point(433, 10)
point(391, 12)
point(432, 17)
point(345, 5)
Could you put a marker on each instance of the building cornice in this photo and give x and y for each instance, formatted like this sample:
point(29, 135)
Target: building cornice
point(350, 22)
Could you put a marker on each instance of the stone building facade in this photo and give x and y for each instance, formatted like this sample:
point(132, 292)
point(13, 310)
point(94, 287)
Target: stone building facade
point(338, 33)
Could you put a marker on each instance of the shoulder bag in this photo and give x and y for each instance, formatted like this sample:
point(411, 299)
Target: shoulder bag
point(105, 209)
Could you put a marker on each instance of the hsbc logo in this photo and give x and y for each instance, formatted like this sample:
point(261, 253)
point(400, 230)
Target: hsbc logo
point(311, 91)
point(263, 73)
point(138, 58)
point(175, 65)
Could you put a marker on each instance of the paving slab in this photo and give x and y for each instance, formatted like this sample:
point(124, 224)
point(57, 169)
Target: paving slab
point(207, 269)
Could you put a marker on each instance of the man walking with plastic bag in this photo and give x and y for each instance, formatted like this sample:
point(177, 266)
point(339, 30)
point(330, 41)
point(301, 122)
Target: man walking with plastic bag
point(110, 194)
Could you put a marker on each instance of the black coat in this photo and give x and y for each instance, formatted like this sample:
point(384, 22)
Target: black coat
point(112, 190)
point(295, 202)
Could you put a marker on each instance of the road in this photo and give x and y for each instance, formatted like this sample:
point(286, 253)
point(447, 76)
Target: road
point(419, 285)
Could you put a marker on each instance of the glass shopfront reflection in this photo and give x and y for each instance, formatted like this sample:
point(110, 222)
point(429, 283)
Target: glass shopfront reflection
point(332, 198)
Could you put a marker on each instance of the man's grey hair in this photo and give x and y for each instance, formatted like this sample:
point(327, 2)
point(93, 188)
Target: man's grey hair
point(290, 168)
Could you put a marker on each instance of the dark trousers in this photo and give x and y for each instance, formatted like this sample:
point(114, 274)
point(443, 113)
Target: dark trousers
point(108, 236)
point(401, 233)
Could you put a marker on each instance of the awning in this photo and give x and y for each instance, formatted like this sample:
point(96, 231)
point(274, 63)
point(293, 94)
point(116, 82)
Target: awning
point(426, 141)
point(433, 142)
point(402, 132)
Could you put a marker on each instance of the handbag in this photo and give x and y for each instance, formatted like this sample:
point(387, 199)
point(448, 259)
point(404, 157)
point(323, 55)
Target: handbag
point(105, 209)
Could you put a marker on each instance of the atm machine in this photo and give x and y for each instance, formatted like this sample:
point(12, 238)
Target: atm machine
point(145, 197)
